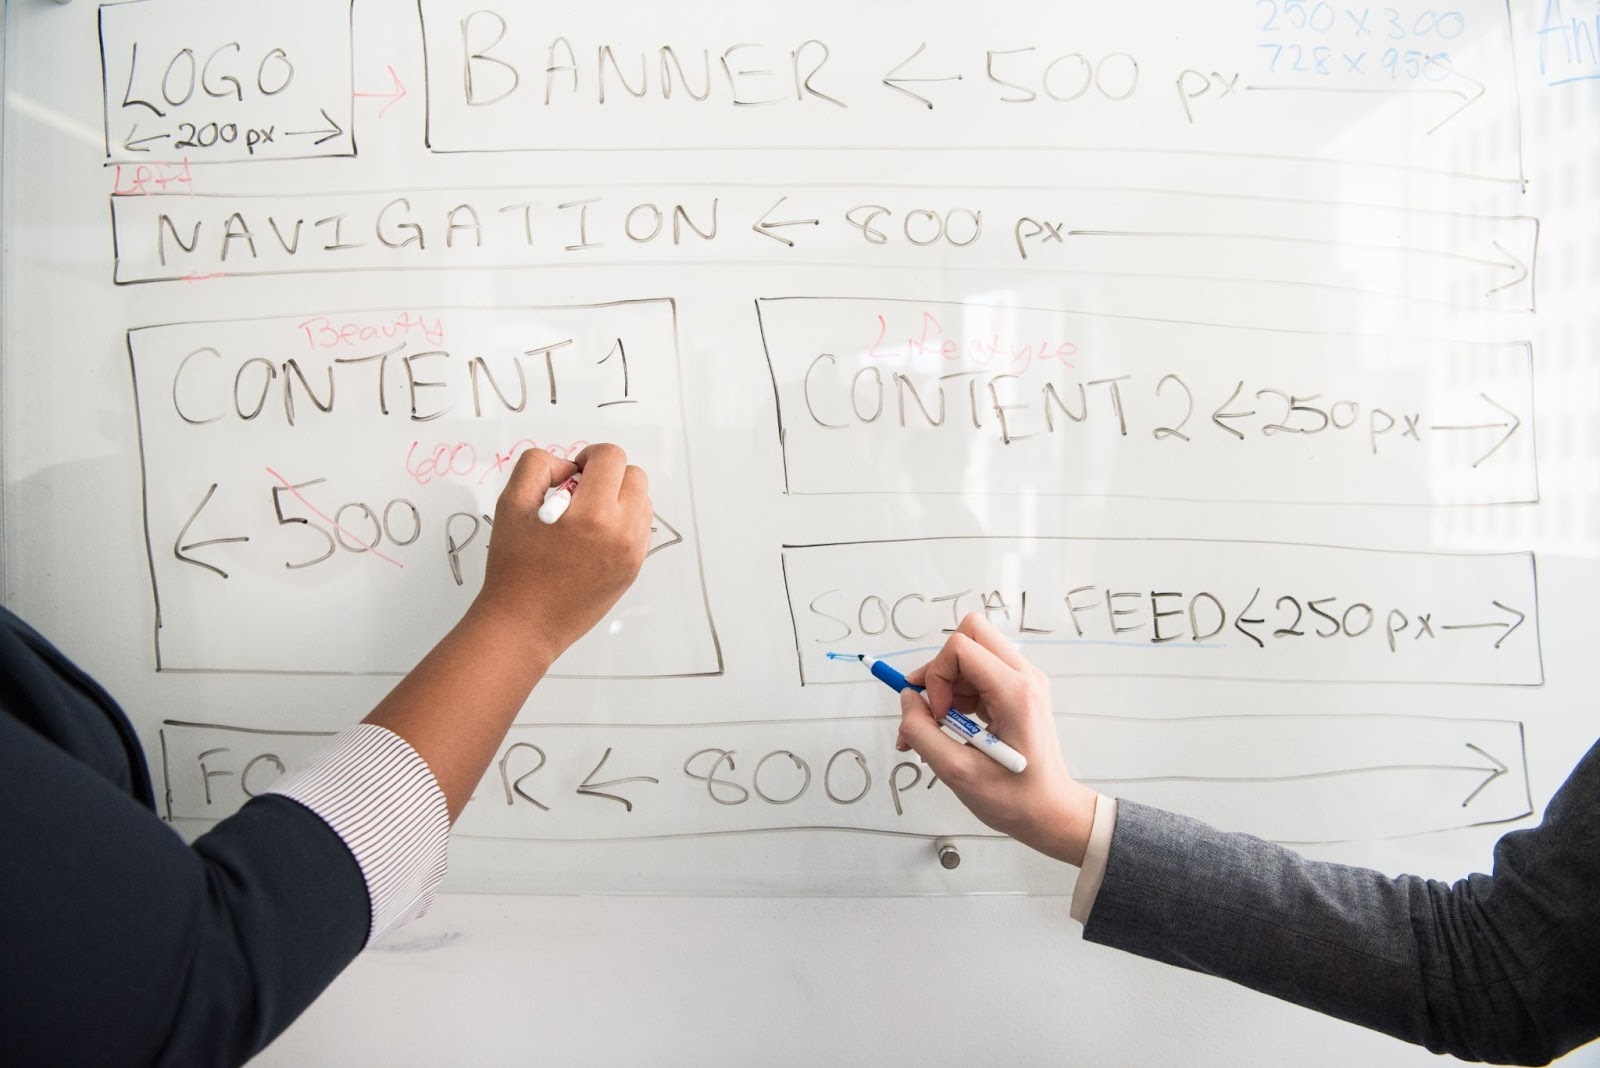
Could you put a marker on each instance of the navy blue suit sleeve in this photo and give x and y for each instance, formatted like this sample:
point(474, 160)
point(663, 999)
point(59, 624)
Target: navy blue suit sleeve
point(124, 945)
point(1502, 967)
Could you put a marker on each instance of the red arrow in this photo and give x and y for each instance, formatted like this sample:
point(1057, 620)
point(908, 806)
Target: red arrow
point(393, 96)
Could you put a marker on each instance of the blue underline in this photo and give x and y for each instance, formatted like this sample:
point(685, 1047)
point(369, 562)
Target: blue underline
point(1577, 78)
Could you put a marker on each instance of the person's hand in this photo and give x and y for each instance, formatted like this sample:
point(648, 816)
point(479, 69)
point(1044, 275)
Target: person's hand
point(554, 581)
point(982, 674)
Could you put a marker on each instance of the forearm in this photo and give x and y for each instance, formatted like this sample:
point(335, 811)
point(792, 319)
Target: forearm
point(1180, 892)
point(455, 707)
point(1465, 970)
point(545, 585)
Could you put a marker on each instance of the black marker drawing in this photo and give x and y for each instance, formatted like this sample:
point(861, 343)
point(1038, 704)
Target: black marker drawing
point(184, 81)
point(1292, 778)
point(1174, 608)
point(1014, 397)
point(264, 520)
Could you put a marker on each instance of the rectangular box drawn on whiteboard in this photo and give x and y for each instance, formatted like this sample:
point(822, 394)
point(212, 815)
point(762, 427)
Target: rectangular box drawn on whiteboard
point(1030, 400)
point(1265, 245)
point(833, 74)
point(295, 467)
point(1316, 778)
point(203, 82)
point(1173, 608)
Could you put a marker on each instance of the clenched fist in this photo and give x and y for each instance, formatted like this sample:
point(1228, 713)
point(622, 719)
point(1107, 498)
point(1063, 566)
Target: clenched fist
point(553, 582)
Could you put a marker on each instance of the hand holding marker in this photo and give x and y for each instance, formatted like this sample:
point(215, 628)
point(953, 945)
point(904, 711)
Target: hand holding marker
point(957, 725)
point(556, 500)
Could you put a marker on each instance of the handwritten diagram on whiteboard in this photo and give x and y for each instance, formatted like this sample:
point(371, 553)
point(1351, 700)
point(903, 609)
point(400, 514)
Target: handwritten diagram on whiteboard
point(296, 467)
point(1175, 340)
point(1274, 78)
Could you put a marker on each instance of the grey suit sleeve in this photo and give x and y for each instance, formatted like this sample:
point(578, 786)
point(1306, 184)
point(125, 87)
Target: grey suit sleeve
point(1502, 967)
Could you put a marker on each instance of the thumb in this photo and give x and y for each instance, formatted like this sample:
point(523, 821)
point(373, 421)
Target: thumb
point(919, 730)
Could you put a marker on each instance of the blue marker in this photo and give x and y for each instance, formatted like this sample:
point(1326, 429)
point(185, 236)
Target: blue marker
point(958, 726)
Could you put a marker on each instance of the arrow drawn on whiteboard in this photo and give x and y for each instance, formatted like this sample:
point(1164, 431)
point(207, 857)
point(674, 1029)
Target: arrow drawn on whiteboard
point(1516, 264)
point(1219, 415)
point(393, 96)
point(655, 527)
point(1499, 770)
point(894, 82)
point(328, 133)
point(1508, 626)
point(1466, 103)
point(1509, 428)
point(766, 226)
point(1467, 98)
point(181, 550)
point(1403, 250)
point(592, 789)
point(130, 144)
point(1493, 773)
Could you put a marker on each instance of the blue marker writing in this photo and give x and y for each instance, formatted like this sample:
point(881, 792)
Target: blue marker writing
point(958, 726)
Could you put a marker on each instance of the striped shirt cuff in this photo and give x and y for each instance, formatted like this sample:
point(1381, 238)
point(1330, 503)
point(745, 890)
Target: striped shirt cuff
point(380, 797)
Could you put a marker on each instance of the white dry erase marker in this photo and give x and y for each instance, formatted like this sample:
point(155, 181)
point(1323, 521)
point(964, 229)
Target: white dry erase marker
point(957, 725)
point(556, 500)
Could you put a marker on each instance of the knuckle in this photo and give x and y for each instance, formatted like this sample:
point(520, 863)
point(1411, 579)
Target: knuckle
point(525, 470)
point(535, 458)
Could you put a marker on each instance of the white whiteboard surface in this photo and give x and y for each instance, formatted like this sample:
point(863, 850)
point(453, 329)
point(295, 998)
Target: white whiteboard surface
point(1238, 359)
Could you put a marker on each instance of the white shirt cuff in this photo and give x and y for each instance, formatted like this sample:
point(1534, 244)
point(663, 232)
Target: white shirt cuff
point(381, 798)
point(1093, 872)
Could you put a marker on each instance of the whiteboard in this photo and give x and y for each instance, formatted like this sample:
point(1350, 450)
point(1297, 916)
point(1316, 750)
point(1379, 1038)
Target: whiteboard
point(1234, 359)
